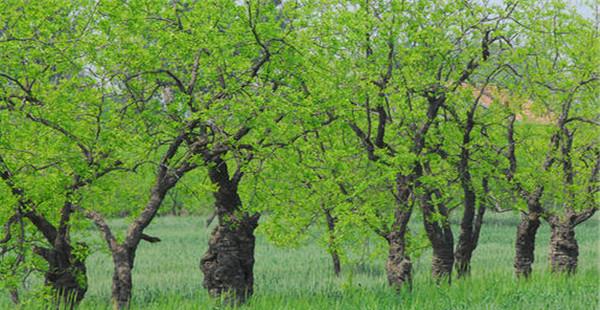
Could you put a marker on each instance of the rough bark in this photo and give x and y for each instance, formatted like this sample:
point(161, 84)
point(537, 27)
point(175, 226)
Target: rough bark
point(466, 240)
point(124, 254)
point(66, 275)
point(229, 261)
point(442, 240)
point(398, 265)
point(331, 242)
point(69, 280)
point(564, 249)
point(442, 261)
point(525, 244)
point(122, 282)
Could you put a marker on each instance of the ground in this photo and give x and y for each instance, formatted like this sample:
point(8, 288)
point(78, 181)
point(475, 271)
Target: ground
point(167, 276)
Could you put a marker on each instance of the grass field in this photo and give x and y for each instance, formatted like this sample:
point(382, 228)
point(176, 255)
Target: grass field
point(166, 275)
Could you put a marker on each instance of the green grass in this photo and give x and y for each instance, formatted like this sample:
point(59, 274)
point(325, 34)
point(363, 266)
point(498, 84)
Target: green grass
point(166, 275)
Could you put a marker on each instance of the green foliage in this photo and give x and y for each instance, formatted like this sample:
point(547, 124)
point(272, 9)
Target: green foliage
point(320, 105)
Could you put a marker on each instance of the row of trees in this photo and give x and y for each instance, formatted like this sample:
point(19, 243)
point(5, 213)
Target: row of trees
point(356, 114)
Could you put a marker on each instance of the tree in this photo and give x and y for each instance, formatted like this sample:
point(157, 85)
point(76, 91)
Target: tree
point(211, 84)
point(54, 132)
point(559, 76)
point(394, 70)
point(567, 84)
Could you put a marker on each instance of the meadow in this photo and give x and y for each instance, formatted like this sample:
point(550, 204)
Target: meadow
point(166, 275)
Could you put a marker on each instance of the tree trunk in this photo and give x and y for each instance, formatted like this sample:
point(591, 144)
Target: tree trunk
point(442, 260)
point(398, 265)
point(464, 252)
point(331, 242)
point(66, 275)
point(470, 229)
point(525, 244)
point(465, 246)
point(337, 266)
point(122, 283)
point(564, 250)
point(442, 240)
point(229, 262)
point(69, 281)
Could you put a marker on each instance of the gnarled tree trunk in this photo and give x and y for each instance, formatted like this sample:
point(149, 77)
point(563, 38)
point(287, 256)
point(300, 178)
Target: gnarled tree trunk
point(228, 263)
point(525, 244)
point(442, 240)
point(564, 250)
point(398, 265)
point(66, 275)
point(463, 255)
point(442, 259)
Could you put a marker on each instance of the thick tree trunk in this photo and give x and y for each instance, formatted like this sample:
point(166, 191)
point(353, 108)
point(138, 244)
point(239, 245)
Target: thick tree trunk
point(229, 262)
point(69, 281)
point(464, 252)
point(564, 250)
point(331, 242)
point(525, 244)
point(442, 240)
point(463, 256)
point(66, 275)
point(122, 283)
point(442, 260)
point(398, 265)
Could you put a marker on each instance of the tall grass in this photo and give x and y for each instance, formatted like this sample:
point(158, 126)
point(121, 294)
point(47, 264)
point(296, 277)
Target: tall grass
point(167, 276)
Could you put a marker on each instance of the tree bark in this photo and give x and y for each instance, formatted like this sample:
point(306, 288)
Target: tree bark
point(331, 242)
point(398, 265)
point(229, 261)
point(442, 240)
point(442, 260)
point(122, 282)
point(470, 228)
point(66, 275)
point(564, 250)
point(525, 244)
point(465, 246)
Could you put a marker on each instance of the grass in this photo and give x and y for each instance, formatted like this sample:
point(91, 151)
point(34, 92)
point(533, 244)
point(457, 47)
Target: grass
point(167, 276)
